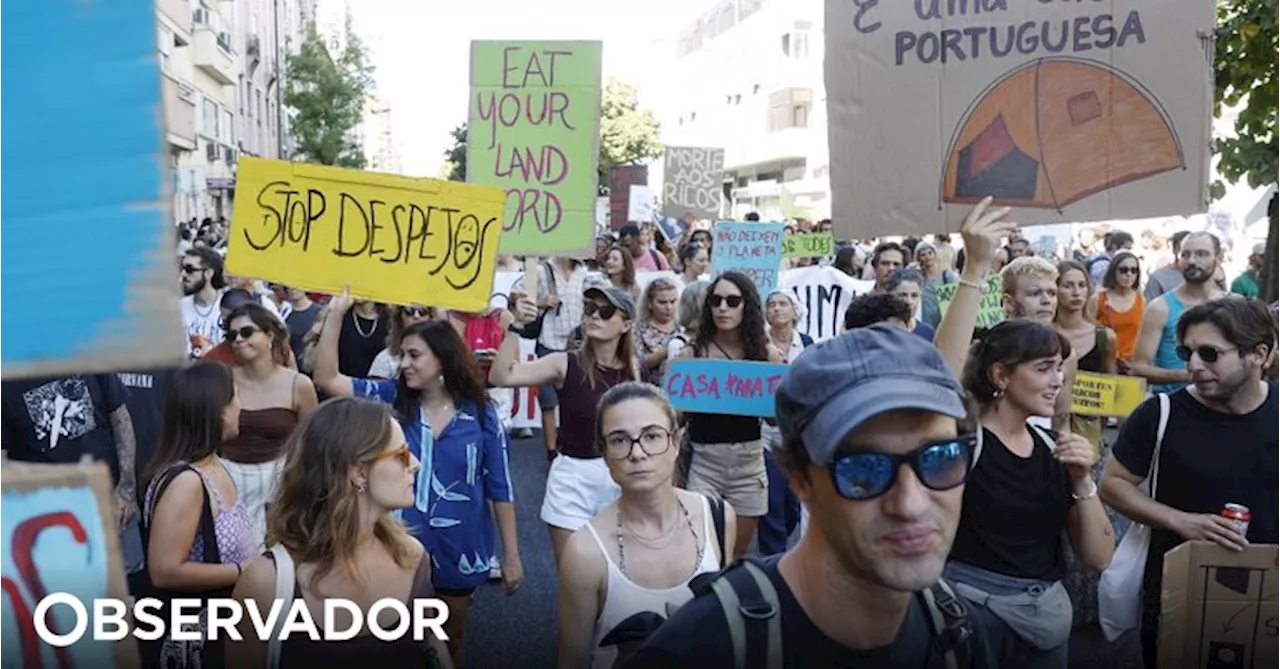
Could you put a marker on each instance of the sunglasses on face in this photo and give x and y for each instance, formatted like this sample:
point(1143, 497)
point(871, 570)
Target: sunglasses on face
point(189, 269)
point(404, 454)
point(415, 312)
point(1209, 354)
point(1127, 270)
point(605, 310)
point(939, 465)
point(242, 333)
point(734, 301)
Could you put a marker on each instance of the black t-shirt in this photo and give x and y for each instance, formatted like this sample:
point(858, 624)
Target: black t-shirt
point(1015, 511)
point(60, 419)
point(1208, 459)
point(299, 323)
point(145, 397)
point(361, 341)
point(697, 635)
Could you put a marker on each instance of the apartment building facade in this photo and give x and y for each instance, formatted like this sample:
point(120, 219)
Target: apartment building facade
point(222, 65)
point(747, 77)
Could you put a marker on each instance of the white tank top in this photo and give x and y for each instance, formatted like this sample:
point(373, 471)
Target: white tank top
point(625, 599)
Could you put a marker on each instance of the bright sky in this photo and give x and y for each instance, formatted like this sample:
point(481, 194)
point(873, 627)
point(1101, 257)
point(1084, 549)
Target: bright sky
point(420, 49)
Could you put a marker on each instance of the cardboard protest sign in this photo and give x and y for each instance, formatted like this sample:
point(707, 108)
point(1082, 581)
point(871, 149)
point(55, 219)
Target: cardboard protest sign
point(990, 310)
point(533, 130)
point(693, 181)
point(755, 249)
point(809, 245)
point(1076, 111)
point(1106, 394)
point(1218, 607)
point(825, 293)
point(394, 239)
point(733, 387)
point(641, 207)
point(621, 179)
point(58, 534)
point(90, 235)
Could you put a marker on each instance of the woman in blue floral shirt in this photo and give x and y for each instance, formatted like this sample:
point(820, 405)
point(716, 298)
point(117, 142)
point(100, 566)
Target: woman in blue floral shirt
point(457, 435)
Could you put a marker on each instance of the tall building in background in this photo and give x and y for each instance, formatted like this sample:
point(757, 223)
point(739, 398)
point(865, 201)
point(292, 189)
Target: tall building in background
point(381, 150)
point(259, 39)
point(747, 77)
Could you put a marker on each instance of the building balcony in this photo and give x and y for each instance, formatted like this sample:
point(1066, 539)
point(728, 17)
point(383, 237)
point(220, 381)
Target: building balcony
point(212, 54)
point(178, 13)
point(179, 113)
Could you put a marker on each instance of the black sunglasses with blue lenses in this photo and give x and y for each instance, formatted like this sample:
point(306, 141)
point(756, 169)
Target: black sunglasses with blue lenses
point(940, 465)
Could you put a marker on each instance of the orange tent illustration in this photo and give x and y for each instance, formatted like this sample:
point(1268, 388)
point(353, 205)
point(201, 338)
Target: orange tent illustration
point(1057, 130)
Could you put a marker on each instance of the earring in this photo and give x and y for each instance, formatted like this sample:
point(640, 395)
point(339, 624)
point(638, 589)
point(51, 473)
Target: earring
point(997, 394)
point(360, 488)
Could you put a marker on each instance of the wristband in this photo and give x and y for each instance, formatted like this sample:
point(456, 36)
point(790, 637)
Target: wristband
point(239, 571)
point(1093, 492)
point(972, 284)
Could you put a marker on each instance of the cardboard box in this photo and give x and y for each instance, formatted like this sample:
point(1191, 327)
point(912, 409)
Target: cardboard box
point(1219, 608)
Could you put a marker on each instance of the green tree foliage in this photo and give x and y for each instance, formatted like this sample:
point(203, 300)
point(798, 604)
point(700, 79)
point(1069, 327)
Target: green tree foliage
point(628, 134)
point(455, 158)
point(326, 98)
point(1244, 69)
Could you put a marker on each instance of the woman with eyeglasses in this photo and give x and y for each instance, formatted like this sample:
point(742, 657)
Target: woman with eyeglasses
point(623, 573)
point(455, 432)
point(1120, 303)
point(578, 482)
point(1027, 486)
point(387, 363)
point(727, 459)
point(349, 468)
point(272, 397)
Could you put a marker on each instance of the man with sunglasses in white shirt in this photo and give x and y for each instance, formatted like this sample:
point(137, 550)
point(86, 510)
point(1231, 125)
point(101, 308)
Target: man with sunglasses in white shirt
point(872, 443)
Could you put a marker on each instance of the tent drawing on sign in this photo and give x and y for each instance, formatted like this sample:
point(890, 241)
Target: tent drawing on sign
point(1057, 130)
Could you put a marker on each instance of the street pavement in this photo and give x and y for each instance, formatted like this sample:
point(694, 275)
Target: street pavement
point(520, 631)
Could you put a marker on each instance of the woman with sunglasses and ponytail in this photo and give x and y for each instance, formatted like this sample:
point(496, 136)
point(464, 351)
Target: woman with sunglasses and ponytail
point(273, 398)
point(578, 484)
point(1027, 486)
point(727, 460)
point(349, 467)
point(455, 432)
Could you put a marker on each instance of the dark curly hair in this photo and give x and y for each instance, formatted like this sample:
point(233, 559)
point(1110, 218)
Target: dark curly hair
point(755, 344)
point(457, 365)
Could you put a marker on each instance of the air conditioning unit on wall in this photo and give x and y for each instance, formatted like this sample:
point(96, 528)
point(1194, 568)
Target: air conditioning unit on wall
point(211, 151)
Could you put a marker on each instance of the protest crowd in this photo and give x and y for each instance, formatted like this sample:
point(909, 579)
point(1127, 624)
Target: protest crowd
point(367, 446)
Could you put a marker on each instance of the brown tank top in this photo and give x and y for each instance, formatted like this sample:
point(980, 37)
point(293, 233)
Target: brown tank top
point(262, 435)
point(364, 650)
point(578, 399)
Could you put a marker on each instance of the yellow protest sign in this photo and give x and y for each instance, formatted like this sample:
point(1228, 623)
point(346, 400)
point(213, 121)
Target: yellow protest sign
point(1106, 394)
point(809, 245)
point(394, 239)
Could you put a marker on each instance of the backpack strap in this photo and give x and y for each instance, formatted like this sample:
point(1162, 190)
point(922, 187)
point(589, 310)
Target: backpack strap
point(284, 595)
point(751, 609)
point(952, 630)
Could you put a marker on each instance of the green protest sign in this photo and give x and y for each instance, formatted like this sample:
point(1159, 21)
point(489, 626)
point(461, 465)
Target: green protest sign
point(532, 130)
point(990, 310)
point(809, 245)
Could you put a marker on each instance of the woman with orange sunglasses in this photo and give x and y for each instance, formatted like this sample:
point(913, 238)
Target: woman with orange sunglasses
point(348, 468)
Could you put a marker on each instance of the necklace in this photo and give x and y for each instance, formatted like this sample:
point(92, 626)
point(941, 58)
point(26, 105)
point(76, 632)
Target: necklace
point(355, 320)
point(622, 556)
point(202, 314)
point(783, 345)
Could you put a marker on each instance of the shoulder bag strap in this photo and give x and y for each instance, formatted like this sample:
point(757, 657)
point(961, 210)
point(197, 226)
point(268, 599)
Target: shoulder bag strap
point(717, 519)
point(1154, 476)
point(951, 628)
point(284, 595)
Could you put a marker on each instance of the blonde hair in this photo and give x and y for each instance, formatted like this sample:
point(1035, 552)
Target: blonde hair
point(315, 514)
point(656, 286)
point(1032, 266)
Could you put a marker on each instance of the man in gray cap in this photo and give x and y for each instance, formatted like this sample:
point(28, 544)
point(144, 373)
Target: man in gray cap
point(871, 443)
